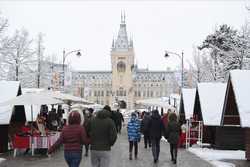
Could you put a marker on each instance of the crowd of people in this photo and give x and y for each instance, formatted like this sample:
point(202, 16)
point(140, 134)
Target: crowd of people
point(153, 127)
point(100, 129)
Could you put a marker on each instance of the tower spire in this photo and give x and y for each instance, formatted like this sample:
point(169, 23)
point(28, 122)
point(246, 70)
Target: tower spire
point(121, 18)
point(124, 18)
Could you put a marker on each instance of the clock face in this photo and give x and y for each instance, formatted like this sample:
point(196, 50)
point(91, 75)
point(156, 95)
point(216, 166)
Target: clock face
point(121, 66)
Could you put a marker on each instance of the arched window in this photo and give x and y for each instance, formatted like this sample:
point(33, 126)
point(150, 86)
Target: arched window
point(121, 66)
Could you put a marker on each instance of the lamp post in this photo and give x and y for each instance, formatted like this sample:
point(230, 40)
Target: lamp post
point(65, 54)
point(167, 54)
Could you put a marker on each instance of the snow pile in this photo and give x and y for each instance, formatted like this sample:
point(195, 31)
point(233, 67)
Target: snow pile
point(212, 96)
point(2, 159)
point(240, 83)
point(188, 97)
point(213, 156)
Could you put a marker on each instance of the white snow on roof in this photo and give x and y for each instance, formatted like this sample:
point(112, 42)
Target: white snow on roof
point(9, 90)
point(212, 96)
point(241, 86)
point(188, 97)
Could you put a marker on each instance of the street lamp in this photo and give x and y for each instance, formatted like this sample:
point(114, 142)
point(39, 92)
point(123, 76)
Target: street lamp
point(167, 54)
point(78, 53)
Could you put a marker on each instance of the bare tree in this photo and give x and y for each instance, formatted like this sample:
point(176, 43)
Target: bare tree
point(3, 27)
point(19, 55)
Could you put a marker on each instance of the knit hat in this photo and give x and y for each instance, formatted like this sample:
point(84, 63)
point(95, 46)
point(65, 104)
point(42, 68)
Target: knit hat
point(106, 107)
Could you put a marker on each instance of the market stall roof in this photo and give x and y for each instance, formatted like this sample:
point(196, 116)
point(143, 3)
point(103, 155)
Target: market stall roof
point(188, 99)
point(211, 97)
point(241, 86)
point(9, 90)
point(66, 97)
point(36, 108)
point(154, 102)
point(31, 99)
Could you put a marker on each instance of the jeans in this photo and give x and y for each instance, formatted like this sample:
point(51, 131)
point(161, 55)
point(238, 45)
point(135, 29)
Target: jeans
point(131, 144)
point(73, 159)
point(155, 148)
point(100, 158)
point(173, 151)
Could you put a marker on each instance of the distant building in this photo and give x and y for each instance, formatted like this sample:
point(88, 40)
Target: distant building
point(125, 82)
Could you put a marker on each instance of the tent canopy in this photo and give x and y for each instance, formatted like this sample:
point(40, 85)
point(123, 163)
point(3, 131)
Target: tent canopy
point(66, 97)
point(31, 99)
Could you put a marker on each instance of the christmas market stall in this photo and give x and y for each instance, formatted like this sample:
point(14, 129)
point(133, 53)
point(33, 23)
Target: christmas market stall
point(209, 101)
point(11, 117)
point(235, 121)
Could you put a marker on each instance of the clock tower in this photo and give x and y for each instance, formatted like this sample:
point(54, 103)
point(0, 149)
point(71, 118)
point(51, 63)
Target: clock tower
point(122, 60)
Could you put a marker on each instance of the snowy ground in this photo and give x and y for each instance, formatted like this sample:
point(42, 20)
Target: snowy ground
point(215, 156)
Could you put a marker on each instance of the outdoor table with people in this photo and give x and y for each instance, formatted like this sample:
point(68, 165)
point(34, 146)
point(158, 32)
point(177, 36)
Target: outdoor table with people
point(37, 135)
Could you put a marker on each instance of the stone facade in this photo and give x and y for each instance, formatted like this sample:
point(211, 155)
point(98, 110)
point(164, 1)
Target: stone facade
point(125, 82)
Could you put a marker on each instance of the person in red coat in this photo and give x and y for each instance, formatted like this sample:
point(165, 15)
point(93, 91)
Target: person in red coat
point(73, 136)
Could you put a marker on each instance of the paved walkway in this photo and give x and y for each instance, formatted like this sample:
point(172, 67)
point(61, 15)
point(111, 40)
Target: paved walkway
point(119, 158)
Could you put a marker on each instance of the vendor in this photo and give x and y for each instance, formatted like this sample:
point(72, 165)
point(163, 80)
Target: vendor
point(41, 124)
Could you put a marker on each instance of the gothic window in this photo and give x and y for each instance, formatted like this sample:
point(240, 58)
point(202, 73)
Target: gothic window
point(102, 93)
point(152, 94)
point(121, 66)
point(139, 93)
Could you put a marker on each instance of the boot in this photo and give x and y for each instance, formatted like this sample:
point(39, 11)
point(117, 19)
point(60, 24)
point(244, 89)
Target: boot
point(135, 156)
point(130, 156)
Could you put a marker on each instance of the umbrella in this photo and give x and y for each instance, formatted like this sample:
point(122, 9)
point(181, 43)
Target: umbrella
point(31, 99)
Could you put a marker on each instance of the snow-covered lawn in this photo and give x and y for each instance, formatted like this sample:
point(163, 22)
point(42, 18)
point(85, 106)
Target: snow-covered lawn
point(214, 156)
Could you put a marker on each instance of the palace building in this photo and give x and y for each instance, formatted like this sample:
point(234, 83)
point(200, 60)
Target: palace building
point(125, 83)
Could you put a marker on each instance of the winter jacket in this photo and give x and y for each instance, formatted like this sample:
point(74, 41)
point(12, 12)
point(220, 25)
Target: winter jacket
point(118, 118)
point(102, 131)
point(134, 129)
point(145, 124)
point(72, 137)
point(156, 127)
point(173, 129)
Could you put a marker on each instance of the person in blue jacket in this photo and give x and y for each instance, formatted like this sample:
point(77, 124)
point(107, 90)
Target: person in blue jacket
point(134, 135)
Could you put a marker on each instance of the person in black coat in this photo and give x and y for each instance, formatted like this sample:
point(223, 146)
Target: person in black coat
point(156, 128)
point(145, 130)
point(118, 120)
point(173, 130)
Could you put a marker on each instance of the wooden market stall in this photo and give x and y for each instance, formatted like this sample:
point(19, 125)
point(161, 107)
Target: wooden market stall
point(209, 101)
point(186, 104)
point(11, 118)
point(235, 132)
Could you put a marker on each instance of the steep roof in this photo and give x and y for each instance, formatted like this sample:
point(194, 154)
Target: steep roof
point(211, 96)
point(9, 90)
point(240, 80)
point(122, 43)
point(188, 98)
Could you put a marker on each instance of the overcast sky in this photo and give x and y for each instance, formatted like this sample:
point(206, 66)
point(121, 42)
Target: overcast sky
point(91, 26)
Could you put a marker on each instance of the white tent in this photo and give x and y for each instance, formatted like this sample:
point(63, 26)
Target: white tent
point(188, 98)
point(9, 90)
point(36, 108)
point(211, 97)
point(155, 102)
point(66, 97)
point(241, 86)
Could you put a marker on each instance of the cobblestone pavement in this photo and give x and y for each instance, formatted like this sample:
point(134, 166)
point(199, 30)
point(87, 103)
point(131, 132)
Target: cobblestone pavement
point(119, 158)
